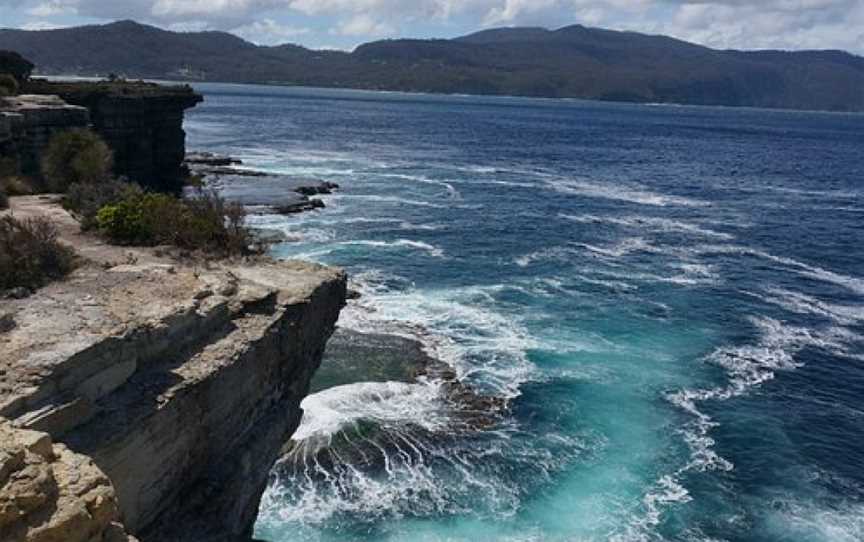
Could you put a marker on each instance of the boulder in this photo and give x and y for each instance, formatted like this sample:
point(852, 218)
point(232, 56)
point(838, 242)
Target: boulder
point(51, 494)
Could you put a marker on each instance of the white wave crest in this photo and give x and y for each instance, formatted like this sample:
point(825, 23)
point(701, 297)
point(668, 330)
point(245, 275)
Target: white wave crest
point(746, 367)
point(649, 223)
point(804, 304)
point(457, 326)
point(620, 192)
point(854, 284)
point(791, 520)
point(386, 403)
point(386, 199)
point(451, 191)
point(316, 254)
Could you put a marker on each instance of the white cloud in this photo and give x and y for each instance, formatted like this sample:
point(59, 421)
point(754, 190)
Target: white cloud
point(364, 25)
point(50, 9)
point(41, 25)
point(269, 32)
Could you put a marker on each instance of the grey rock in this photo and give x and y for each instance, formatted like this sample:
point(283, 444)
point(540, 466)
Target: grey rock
point(7, 322)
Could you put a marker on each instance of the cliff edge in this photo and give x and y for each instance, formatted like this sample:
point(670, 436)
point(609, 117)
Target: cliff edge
point(180, 381)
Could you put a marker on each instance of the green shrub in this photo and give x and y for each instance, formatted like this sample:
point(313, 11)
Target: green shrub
point(140, 219)
point(16, 186)
point(15, 65)
point(8, 85)
point(84, 200)
point(204, 223)
point(215, 225)
point(11, 180)
point(75, 156)
point(30, 254)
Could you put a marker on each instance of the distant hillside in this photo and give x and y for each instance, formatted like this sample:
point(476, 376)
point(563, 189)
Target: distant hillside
point(574, 61)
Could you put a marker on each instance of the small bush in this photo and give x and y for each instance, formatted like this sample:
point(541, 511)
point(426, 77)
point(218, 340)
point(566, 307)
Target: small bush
point(140, 219)
point(75, 156)
point(8, 85)
point(30, 254)
point(11, 180)
point(215, 225)
point(16, 186)
point(15, 65)
point(84, 200)
point(205, 223)
point(4, 199)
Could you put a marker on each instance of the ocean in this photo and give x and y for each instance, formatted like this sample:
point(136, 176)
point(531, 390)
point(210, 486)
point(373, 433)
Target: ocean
point(669, 300)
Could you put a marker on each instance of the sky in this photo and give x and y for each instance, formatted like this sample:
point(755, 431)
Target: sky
point(344, 24)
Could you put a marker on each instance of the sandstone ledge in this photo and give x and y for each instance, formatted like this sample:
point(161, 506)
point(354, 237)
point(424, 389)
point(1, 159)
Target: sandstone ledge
point(50, 494)
point(181, 382)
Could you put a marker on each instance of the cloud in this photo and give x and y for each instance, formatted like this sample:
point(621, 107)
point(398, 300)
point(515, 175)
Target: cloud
point(50, 9)
point(364, 25)
point(719, 23)
point(41, 25)
point(269, 32)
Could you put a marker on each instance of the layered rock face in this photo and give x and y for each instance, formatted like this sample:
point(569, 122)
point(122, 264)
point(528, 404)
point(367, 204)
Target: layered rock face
point(141, 123)
point(27, 123)
point(51, 494)
point(181, 383)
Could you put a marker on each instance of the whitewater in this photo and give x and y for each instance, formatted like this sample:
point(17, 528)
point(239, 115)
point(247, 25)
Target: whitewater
point(667, 302)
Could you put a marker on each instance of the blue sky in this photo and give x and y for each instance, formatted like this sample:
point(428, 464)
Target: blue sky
point(343, 24)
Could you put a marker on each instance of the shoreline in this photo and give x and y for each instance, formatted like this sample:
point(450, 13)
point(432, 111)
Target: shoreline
point(397, 351)
point(493, 97)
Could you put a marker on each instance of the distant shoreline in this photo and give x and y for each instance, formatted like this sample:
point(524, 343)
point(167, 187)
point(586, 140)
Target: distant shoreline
point(556, 100)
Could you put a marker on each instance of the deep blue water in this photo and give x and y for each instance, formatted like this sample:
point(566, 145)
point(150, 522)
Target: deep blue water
point(672, 298)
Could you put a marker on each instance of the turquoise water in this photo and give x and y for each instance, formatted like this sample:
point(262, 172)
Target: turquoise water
point(671, 299)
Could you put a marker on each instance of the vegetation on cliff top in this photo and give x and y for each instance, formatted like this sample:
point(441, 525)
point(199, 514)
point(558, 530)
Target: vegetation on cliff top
point(78, 164)
point(11, 184)
point(75, 156)
point(203, 223)
point(8, 85)
point(15, 65)
point(30, 254)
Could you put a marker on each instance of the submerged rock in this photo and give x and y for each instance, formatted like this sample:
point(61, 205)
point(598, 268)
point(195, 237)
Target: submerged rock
point(352, 357)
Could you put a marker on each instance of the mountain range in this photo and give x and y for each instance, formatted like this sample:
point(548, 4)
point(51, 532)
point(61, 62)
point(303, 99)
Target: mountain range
point(572, 62)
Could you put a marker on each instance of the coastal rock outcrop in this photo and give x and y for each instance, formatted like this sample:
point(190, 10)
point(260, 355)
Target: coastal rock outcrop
point(51, 494)
point(181, 381)
point(142, 124)
point(258, 191)
point(27, 123)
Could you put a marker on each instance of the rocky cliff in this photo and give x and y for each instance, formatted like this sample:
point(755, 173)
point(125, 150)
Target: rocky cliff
point(181, 382)
point(28, 122)
point(51, 494)
point(142, 124)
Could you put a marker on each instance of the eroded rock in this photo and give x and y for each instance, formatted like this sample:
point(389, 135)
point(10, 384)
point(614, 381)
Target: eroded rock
point(51, 494)
point(184, 400)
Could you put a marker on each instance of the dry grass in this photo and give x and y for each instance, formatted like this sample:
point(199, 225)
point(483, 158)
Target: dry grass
point(30, 254)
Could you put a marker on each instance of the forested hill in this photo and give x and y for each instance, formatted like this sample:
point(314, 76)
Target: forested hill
point(574, 61)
